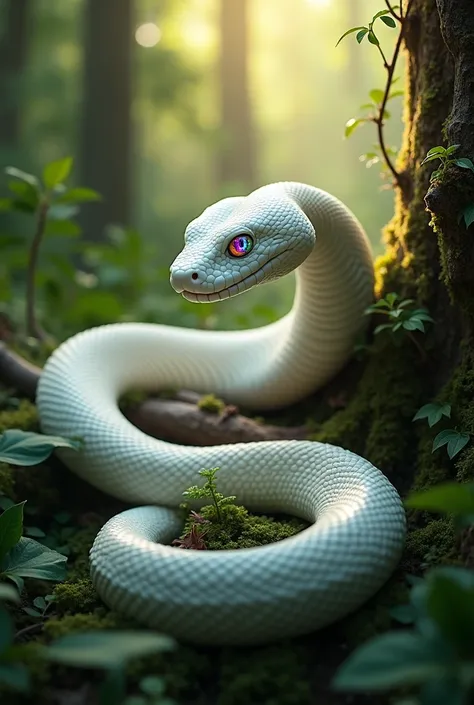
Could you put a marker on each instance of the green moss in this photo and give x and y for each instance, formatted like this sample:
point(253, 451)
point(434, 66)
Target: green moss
point(433, 544)
point(6, 480)
point(75, 596)
point(79, 545)
point(73, 623)
point(211, 404)
point(24, 418)
point(240, 529)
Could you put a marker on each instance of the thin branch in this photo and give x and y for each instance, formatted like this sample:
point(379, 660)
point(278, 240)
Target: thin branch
point(32, 325)
point(380, 121)
point(392, 11)
point(32, 629)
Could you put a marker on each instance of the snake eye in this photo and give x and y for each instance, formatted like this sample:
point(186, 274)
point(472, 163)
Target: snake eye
point(240, 246)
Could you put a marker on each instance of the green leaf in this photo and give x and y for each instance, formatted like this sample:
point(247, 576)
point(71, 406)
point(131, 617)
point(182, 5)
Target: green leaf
point(390, 660)
point(380, 14)
point(431, 158)
point(28, 448)
point(381, 327)
point(447, 497)
point(56, 172)
point(436, 150)
point(62, 227)
point(391, 298)
point(360, 35)
point(106, 649)
point(468, 214)
point(152, 685)
point(40, 603)
point(372, 38)
point(11, 528)
point(30, 559)
point(454, 440)
point(435, 174)
point(34, 532)
point(7, 592)
point(27, 193)
point(80, 194)
point(352, 124)
point(433, 412)
point(389, 21)
point(6, 630)
point(450, 150)
point(414, 324)
point(464, 163)
point(405, 614)
point(22, 175)
point(15, 676)
point(395, 94)
point(376, 95)
point(350, 31)
point(31, 612)
point(450, 603)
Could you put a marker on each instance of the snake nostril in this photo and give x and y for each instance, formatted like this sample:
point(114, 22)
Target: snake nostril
point(194, 276)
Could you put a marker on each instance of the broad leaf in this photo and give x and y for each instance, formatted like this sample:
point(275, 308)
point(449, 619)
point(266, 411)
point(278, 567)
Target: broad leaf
point(433, 412)
point(414, 324)
point(79, 194)
point(8, 592)
point(454, 440)
point(360, 35)
point(56, 172)
point(372, 38)
point(22, 175)
point(436, 150)
point(464, 163)
point(11, 528)
point(450, 150)
point(448, 497)
point(376, 95)
point(390, 660)
point(468, 214)
point(106, 649)
point(28, 448)
point(30, 559)
point(389, 21)
point(62, 227)
point(350, 31)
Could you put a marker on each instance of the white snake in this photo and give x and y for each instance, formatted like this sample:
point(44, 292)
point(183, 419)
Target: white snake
point(358, 523)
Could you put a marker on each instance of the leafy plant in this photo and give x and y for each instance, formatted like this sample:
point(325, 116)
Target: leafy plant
point(454, 441)
point(433, 412)
point(152, 690)
point(401, 317)
point(41, 606)
point(379, 98)
point(53, 205)
point(209, 490)
point(29, 448)
point(445, 155)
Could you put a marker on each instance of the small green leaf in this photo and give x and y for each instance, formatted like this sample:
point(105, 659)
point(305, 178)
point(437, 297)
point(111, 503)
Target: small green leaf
point(468, 214)
point(7, 592)
point(376, 95)
point(405, 614)
point(34, 532)
point(56, 172)
point(380, 14)
point(391, 298)
point(450, 150)
point(11, 528)
point(464, 163)
point(30, 559)
point(352, 124)
point(390, 660)
point(28, 448)
point(447, 497)
point(40, 603)
point(360, 35)
point(382, 327)
point(350, 31)
point(395, 94)
point(152, 685)
point(31, 612)
point(436, 150)
point(80, 194)
point(22, 175)
point(433, 412)
point(435, 174)
point(414, 324)
point(454, 440)
point(389, 21)
point(106, 649)
point(373, 38)
point(62, 227)
point(27, 193)
point(450, 603)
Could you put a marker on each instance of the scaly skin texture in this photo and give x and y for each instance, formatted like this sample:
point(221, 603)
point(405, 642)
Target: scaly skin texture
point(358, 523)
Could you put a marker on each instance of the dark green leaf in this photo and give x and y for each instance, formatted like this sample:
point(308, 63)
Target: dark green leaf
point(405, 614)
point(372, 38)
point(468, 214)
point(389, 21)
point(15, 676)
point(40, 603)
point(79, 194)
point(464, 163)
point(28, 448)
point(56, 172)
point(414, 324)
point(31, 612)
point(389, 660)
point(451, 604)
point(111, 649)
point(360, 35)
point(453, 439)
point(350, 31)
point(381, 327)
point(62, 227)
point(11, 528)
point(30, 559)
point(22, 175)
point(7, 592)
point(34, 532)
point(433, 412)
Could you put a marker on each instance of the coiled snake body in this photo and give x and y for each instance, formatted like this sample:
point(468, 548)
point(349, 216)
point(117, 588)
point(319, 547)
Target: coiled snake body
point(358, 524)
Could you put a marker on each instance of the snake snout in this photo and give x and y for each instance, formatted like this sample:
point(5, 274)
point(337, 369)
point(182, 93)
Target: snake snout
point(184, 280)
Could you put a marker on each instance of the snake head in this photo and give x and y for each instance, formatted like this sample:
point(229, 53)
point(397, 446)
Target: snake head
point(239, 243)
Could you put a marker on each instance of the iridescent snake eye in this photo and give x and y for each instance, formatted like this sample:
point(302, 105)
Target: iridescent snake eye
point(240, 246)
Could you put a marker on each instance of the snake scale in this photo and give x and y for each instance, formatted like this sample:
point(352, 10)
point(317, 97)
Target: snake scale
point(357, 530)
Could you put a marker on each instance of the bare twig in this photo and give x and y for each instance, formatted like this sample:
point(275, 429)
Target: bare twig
point(32, 325)
point(32, 629)
point(392, 11)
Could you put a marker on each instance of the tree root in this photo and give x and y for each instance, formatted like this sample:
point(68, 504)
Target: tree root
point(177, 420)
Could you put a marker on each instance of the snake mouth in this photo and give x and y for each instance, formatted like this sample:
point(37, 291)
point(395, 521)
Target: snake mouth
point(243, 285)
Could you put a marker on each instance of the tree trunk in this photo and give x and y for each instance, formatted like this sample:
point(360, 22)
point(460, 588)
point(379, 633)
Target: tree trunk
point(106, 124)
point(13, 48)
point(236, 159)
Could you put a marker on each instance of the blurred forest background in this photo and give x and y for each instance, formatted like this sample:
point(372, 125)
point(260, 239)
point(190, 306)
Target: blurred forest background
point(167, 106)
